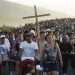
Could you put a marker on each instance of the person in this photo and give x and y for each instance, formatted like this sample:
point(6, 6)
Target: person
point(7, 43)
point(73, 51)
point(29, 52)
point(66, 50)
point(33, 35)
point(12, 39)
point(41, 41)
point(3, 53)
point(51, 50)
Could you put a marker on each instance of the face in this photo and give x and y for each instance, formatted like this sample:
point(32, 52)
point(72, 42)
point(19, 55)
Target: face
point(50, 33)
point(28, 38)
point(42, 35)
point(67, 38)
point(49, 37)
point(1, 40)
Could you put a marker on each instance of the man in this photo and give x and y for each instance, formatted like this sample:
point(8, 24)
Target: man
point(3, 43)
point(66, 50)
point(29, 52)
point(42, 43)
point(3, 52)
point(7, 44)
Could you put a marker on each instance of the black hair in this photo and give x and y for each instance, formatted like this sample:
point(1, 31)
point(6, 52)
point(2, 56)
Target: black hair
point(46, 36)
point(25, 34)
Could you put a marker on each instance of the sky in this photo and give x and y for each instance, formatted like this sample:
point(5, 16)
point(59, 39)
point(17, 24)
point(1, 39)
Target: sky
point(64, 6)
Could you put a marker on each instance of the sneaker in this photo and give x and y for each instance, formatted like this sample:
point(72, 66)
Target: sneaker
point(64, 74)
point(28, 74)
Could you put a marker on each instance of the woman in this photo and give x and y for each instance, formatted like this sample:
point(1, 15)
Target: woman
point(50, 55)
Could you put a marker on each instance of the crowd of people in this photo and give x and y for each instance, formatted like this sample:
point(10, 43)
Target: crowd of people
point(65, 24)
point(47, 51)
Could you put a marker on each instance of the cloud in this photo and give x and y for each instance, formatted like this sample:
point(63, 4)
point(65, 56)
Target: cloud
point(65, 6)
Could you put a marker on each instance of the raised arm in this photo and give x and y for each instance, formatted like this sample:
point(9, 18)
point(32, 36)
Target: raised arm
point(60, 55)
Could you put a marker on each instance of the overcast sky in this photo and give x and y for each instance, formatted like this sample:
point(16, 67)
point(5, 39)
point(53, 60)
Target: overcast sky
point(64, 6)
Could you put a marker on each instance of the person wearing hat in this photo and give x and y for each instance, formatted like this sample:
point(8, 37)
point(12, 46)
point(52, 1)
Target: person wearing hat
point(50, 53)
point(4, 42)
point(2, 38)
point(34, 37)
point(3, 51)
point(29, 48)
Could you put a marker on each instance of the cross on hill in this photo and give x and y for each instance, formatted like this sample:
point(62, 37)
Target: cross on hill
point(37, 24)
point(36, 18)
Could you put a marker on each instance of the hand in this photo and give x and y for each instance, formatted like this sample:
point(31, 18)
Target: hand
point(61, 63)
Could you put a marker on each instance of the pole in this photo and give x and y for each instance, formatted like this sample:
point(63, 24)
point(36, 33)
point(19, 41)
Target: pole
point(36, 19)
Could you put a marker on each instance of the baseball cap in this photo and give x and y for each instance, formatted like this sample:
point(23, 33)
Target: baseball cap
point(29, 34)
point(2, 36)
point(33, 32)
point(50, 30)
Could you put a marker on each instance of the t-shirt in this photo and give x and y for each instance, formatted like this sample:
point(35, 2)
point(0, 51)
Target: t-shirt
point(3, 49)
point(7, 44)
point(3, 53)
point(50, 54)
point(28, 49)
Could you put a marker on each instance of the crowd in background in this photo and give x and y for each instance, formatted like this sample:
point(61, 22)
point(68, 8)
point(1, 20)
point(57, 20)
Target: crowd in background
point(65, 24)
point(51, 48)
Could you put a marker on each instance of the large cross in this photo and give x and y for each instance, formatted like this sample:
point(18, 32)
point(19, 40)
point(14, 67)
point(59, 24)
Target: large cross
point(37, 24)
point(36, 18)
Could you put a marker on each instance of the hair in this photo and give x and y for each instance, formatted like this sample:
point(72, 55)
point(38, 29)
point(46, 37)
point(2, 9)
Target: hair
point(42, 32)
point(53, 36)
point(24, 35)
point(46, 36)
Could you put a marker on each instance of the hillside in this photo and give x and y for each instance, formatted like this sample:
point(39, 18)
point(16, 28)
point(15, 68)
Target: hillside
point(11, 14)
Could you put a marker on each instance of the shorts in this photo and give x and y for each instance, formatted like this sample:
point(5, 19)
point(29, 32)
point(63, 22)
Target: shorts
point(23, 64)
point(3, 57)
point(50, 67)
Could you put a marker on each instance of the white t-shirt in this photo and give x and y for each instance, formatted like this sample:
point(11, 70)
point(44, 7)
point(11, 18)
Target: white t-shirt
point(29, 50)
point(4, 50)
point(7, 44)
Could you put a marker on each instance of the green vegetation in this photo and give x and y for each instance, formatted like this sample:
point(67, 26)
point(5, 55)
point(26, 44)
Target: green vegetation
point(7, 29)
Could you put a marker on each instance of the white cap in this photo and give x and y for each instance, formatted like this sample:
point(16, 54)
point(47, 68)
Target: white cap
point(38, 67)
point(50, 30)
point(2, 36)
point(33, 32)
